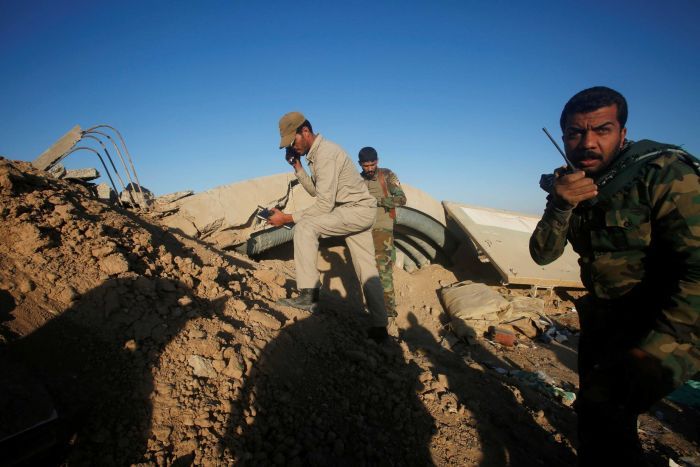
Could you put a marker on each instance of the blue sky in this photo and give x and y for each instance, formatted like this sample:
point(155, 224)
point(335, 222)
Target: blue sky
point(452, 93)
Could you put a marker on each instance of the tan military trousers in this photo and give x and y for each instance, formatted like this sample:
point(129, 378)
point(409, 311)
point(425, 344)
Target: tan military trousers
point(355, 223)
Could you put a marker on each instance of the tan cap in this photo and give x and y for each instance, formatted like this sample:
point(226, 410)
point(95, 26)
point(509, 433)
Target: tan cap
point(288, 127)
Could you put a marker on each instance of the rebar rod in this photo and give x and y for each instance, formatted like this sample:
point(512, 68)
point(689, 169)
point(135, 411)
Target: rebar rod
point(131, 162)
point(111, 162)
point(119, 153)
point(103, 165)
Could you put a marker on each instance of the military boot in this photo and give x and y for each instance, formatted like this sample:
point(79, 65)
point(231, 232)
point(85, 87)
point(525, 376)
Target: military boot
point(307, 300)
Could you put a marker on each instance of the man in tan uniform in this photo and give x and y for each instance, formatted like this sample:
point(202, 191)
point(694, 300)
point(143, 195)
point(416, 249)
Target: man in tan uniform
point(343, 207)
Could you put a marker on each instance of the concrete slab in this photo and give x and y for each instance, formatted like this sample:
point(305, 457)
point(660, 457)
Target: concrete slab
point(82, 174)
point(231, 207)
point(172, 197)
point(57, 152)
point(504, 237)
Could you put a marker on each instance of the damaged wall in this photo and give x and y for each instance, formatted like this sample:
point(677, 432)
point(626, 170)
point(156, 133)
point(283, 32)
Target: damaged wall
point(224, 215)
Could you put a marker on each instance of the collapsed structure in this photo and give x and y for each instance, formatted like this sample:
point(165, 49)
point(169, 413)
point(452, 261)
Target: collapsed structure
point(76, 140)
point(147, 343)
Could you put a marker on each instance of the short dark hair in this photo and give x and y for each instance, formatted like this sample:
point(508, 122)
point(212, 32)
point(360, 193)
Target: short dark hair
point(367, 154)
point(305, 124)
point(592, 99)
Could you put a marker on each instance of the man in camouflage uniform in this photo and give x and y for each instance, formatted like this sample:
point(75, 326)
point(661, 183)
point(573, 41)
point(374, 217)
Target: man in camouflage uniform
point(631, 211)
point(384, 185)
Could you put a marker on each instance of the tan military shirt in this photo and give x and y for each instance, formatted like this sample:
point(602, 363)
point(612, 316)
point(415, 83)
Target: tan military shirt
point(334, 180)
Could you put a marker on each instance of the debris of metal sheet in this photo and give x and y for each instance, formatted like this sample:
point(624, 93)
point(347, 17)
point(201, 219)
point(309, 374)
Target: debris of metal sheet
point(68, 144)
point(504, 238)
point(82, 174)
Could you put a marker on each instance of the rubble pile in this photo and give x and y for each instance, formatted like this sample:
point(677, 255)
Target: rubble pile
point(158, 350)
point(155, 350)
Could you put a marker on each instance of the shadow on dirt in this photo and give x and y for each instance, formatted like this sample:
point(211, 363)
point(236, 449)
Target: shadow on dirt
point(322, 394)
point(7, 304)
point(503, 421)
point(96, 360)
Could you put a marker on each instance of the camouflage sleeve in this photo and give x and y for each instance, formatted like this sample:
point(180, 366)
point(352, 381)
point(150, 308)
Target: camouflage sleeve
point(306, 181)
point(397, 196)
point(674, 192)
point(549, 238)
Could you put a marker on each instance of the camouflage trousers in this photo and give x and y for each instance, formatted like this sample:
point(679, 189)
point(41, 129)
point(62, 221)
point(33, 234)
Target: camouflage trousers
point(386, 256)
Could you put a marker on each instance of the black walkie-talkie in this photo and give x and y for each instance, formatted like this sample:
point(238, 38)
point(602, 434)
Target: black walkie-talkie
point(566, 159)
point(547, 181)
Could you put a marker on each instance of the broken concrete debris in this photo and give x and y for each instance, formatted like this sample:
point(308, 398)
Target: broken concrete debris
point(106, 193)
point(85, 175)
point(172, 197)
point(503, 236)
point(58, 170)
point(135, 195)
point(59, 149)
point(79, 140)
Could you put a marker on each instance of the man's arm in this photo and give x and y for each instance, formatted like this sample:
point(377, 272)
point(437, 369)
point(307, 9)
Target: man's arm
point(676, 227)
point(549, 238)
point(326, 185)
point(306, 181)
point(396, 195)
point(304, 178)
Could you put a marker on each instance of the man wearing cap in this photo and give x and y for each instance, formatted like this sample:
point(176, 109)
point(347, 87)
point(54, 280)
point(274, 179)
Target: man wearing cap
point(384, 185)
point(343, 207)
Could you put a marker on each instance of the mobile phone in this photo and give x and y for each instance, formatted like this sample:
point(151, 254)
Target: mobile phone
point(264, 214)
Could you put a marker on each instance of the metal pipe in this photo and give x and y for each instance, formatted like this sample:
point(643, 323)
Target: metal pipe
point(131, 162)
point(103, 165)
point(111, 162)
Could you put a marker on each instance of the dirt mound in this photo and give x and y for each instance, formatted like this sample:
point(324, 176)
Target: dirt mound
point(159, 350)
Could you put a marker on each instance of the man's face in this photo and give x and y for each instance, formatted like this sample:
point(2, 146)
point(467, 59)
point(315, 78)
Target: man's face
point(369, 168)
point(302, 141)
point(593, 139)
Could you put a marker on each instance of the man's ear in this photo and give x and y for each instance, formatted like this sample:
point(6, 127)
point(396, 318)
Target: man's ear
point(623, 134)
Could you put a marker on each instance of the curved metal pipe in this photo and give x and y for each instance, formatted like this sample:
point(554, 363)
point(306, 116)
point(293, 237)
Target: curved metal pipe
point(408, 264)
point(419, 240)
point(121, 157)
point(103, 165)
point(412, 252)
point(264, 240)
point(131, 162)
point(111, 162)
point(428, 226)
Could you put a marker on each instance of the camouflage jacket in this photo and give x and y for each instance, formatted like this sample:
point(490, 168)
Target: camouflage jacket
point(641, 241)
point(387, 200)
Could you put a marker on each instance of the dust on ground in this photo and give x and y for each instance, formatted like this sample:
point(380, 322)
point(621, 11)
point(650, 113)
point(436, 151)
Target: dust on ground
point(157, 349)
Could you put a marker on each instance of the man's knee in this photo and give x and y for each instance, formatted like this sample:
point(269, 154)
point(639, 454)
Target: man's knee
point(305, 229)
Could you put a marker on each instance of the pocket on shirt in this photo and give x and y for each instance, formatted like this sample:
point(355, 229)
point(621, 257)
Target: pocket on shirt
point(624, 229)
